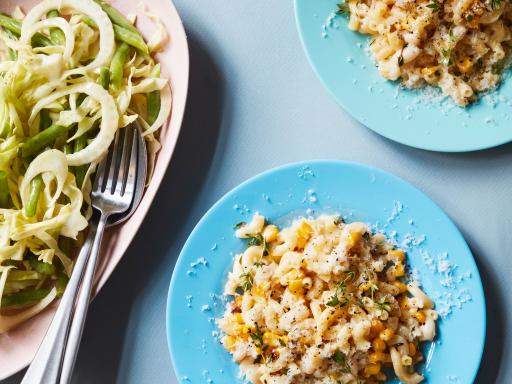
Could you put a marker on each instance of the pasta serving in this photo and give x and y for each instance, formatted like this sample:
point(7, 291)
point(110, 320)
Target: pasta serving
point(460, 46)
point(323, 302)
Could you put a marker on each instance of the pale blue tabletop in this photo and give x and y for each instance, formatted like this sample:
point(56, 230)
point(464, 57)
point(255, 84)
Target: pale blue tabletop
point(255, 103)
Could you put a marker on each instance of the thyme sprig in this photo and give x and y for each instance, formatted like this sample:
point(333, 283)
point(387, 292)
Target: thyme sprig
point(340, 358)
point(341, 288)
point(342, 8)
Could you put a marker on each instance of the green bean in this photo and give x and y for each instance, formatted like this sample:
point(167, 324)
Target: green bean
point(66, 148)
point(117, 65)
point(61, 283)
point(116, 17)
point(40, 266)
point(153, 106)
point(56, 35)
point(38, 142)
point(44, 119)
point(14, 26)
point(131, 38)
point(4, 190)
point(104, 79)
point(10, 24)
point(80, 171)
point(23, 275)
point(25, 297)
point(124, 35)
point(35, 190)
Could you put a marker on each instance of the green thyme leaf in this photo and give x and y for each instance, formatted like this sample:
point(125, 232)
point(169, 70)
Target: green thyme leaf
point(239, 225)
point(435, 5)
point(340, 358)
point(342, 8)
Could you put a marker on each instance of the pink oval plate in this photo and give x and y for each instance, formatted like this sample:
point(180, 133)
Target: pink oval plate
point(18, 346)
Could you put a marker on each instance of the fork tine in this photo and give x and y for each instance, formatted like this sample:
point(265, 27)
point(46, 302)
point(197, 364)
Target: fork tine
point(100, 177)
point(131, 176)
point(113, 166)
point(125, 160)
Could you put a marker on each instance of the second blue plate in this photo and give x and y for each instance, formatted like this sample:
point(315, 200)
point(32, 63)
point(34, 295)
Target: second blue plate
point(416, 118)
point(437, 253)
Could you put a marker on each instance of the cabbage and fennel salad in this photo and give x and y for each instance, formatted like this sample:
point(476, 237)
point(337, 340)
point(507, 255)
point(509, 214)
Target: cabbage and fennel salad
point(72, 72)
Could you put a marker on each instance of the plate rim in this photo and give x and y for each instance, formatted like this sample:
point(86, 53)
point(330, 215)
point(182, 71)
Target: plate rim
point(453, 148)
point(180, 260)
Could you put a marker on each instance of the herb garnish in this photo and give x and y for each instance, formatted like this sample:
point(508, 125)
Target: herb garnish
point(382, 304)
point(495, 4)
point(340, 290)
point(469, 18)
point(447, 57)
point(343, 8)
point(435, 5)
point(340, 358)
point(246, 280)
point(258, 240)
point(239, 225)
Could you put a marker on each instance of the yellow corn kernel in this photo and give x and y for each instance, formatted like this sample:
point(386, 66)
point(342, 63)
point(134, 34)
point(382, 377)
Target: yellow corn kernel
point(229, 342)
point(397, 254)
point(372, 369)
point(403, 301)
point(386, 334)
point(295, 287)
point(238, 301)
point(242, 330)
point(412, 349)
point(270, 233)
point(401, 286)
point(304, 233)
point(399, 270)
point(378, 356)
point(376, 327)
point(420, 316)
point(465, 65)
point(378, 344)
point(429, 71)
point(238, 317)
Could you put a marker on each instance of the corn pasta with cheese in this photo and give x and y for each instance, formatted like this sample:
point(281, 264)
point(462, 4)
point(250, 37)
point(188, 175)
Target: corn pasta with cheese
point(324, 302)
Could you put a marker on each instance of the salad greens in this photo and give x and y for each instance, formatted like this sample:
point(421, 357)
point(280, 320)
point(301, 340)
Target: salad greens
point(72, 72)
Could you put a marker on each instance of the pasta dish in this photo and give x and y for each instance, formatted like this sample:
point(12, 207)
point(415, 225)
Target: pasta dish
point(460, 46)
point(72, 73)
point(325, 302)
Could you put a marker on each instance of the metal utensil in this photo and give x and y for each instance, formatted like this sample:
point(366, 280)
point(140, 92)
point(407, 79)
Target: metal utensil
point(76, 328)
point(113, 192)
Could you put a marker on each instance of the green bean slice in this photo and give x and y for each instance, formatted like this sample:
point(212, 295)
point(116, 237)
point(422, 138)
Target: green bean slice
point(153, 106)
point(56, 35)
point(117, 65)
point(4, 190)
point(24, 298)
point(43, 139)
point(36, 185)
point(104, 79)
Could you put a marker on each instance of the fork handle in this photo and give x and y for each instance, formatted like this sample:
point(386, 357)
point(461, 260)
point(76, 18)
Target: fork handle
point(82, 304)
point(45, 367)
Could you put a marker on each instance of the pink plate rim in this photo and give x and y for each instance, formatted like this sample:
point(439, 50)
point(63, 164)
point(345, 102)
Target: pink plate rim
point(18, 346)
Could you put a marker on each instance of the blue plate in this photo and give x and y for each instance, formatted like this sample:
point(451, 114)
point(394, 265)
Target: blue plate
point(415, 118)
point(359, 193)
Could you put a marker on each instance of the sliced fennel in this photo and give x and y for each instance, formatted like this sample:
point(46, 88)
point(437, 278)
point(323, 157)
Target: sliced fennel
point(65, 89)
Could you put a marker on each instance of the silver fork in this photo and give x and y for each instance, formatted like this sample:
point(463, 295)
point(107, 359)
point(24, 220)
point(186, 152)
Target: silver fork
point(113, 191)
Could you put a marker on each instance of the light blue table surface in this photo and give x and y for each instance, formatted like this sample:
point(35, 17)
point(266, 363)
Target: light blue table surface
point(255, 103)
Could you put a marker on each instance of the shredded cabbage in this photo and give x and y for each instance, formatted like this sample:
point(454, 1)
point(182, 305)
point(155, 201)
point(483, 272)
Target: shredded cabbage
point(57, 121)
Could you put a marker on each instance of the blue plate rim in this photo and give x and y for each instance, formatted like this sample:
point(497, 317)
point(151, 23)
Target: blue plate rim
point(292, 165)
point(359, 118)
